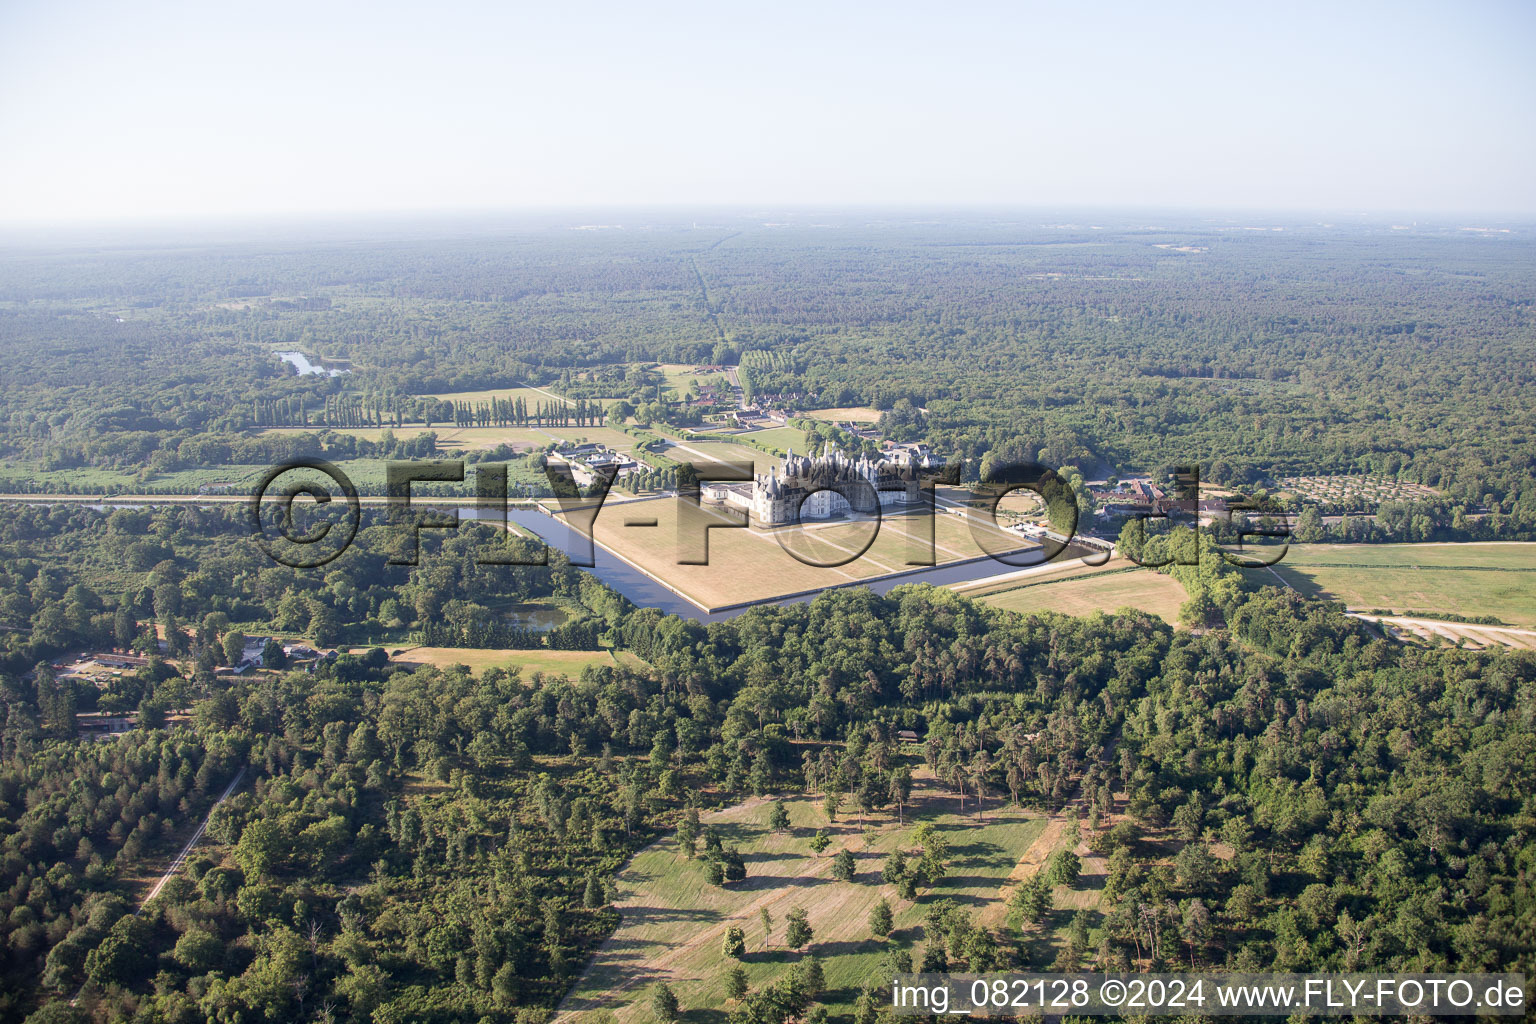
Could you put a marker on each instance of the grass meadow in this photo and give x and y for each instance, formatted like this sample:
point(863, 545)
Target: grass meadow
point(1142, 589)
point(674, 921)
point(478, 659)
point(1496, 578)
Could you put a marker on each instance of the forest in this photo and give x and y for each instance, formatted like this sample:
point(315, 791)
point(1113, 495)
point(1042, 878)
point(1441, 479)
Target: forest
point(426, 844)
point(1310, 349)
point(1273, 784)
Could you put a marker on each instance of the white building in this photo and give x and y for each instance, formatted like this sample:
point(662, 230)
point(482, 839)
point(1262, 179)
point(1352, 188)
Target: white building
point(824, 487)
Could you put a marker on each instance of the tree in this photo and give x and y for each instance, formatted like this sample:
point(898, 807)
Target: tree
point(260, 847)
point(811, 977)
point(1196, 867)
point(831, 802)
point(1309, 525)
point(504, 985)
point(735, 982)
point(880, 919)
point(234, 647)
point(978, 768)
point(714, 874)
point(123, 956)
point(664, 1003)
point(778, 817)
point(932, 862)
point(687, 838)
point(735, 945)
point(798, 934)
point(901, 791)
point(124, 626)
point(732, 865)
point(199, 951)
point(843, 865)
point(764, 916)
point(935, 958)
point(713, 846)
point(1242, 905)
point(56, 701)
point(273, 655)
point(866, 1009)
point(1032, 899)
point(820, 841)
point(981, 952)
point(324, 624)
point(1188, 818)
point(871, 796)
point(1197, 928)
point(1063, 868)
point(592, 896)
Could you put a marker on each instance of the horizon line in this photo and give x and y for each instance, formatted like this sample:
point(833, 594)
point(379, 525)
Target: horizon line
point(744, 209)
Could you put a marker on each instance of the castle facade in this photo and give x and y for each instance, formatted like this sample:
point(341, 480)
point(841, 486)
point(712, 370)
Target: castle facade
point(803, 487)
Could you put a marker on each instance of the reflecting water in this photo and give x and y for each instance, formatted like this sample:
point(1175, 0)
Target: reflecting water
point(301, 363)
point(534, 616)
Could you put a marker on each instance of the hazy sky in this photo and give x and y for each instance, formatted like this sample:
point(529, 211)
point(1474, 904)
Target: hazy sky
point(132, 110)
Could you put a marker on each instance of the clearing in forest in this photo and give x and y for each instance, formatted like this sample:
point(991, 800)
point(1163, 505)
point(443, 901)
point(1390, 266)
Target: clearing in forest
point(478, 659)
point(674, 921)
point(1142, 589)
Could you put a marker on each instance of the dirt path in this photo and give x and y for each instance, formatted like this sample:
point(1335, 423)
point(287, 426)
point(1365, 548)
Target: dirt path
point(778, 902)
point(1454, 632)
point(565, 1011)
point(181, 858)
point(649, 945)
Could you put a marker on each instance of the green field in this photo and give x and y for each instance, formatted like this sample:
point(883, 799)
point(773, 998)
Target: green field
point(533, 396)
point(94, 480)
point(847, 413)
point(680, 376)
point(451, 438)
point(1142, 589)
point(703, 452)
point(479, 659)
point(1496, 579)
point(782, 438)
point(751, 565)
point(674, 921)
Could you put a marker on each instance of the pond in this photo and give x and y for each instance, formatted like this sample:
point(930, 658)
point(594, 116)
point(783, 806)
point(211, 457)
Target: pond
point(301, 363)
point(541, 617)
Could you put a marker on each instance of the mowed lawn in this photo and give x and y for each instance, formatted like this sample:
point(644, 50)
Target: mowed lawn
point(702, 453)
point(533, 396)
point(451, 438)
point(783, 438)
point(478, 659)
point(1069, 564)
point(847, 414)
point(1463, 579)
point(680, 376)
point(751, 565)
point(1141, 589)
point(674, 922)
